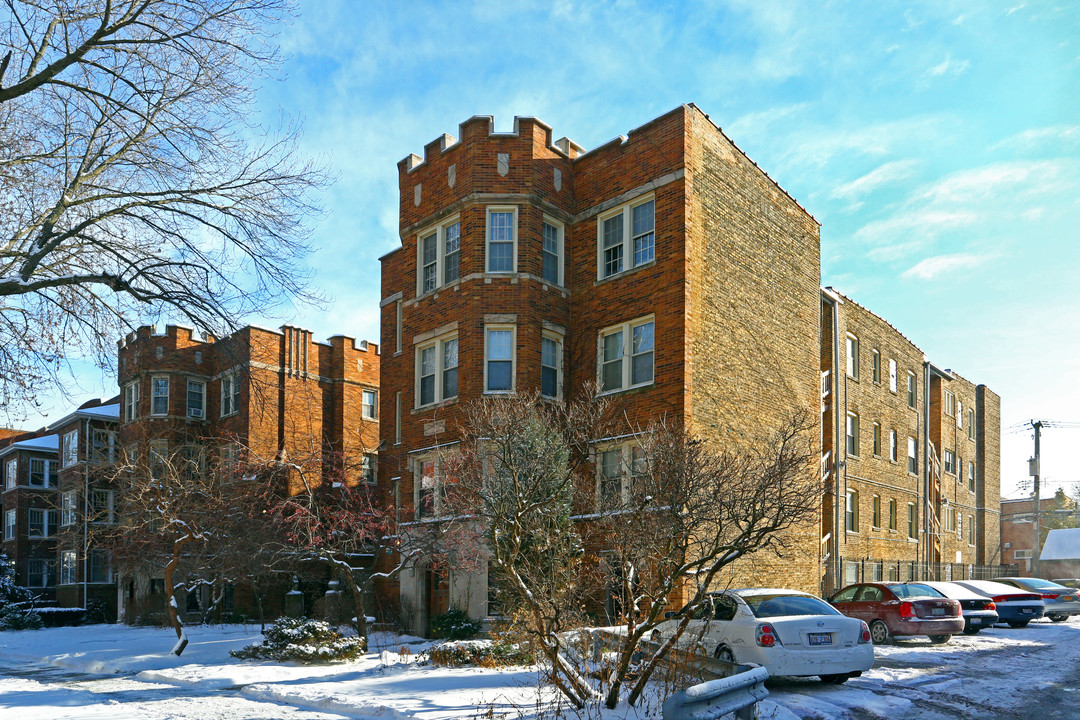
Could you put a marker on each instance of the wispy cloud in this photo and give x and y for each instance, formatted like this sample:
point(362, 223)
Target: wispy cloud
point(948, 66)
point(931, 267)
point(880, 176)
point(1059, 136)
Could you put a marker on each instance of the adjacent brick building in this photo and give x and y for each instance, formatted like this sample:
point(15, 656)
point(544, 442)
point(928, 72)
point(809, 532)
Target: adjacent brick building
point(261, 394)
point(910, 456)
point(30, 510)
point(664, 265)
point(1018, 542)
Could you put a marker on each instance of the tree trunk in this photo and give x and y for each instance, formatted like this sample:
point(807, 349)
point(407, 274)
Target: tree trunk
point(170, 589)
point(345, 573)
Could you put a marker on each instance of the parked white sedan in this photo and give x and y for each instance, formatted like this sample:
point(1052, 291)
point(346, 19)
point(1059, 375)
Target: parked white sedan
point(786, 631)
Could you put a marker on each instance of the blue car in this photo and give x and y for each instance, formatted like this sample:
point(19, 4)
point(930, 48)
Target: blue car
point(1013, 606)
point(1061, 602)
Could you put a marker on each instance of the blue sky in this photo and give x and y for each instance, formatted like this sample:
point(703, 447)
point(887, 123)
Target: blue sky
point(938, 143)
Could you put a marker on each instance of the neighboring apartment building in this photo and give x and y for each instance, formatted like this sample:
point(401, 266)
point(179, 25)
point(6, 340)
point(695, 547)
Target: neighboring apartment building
point(910, 455)
point(1018, 544)
point(30, 510)
point(664, 266)
point(261, 394)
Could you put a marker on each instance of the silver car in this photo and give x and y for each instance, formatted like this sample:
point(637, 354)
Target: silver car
point(1061, 601)
point(979, 611)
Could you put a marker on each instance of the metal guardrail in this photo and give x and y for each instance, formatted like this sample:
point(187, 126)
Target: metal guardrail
point(713, 699)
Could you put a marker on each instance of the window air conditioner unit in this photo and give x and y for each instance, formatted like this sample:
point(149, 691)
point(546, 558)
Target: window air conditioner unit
point(195, 412)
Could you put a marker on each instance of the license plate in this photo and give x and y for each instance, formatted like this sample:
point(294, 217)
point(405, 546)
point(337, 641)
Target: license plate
point(937, 611)
point(1027, 611)
point(819, 638)
point(976, 621)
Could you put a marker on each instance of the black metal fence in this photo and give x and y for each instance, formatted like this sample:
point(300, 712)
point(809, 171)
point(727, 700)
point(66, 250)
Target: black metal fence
point(869, 570)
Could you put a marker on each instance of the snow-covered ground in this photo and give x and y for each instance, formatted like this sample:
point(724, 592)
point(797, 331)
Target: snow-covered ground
point(115, 672)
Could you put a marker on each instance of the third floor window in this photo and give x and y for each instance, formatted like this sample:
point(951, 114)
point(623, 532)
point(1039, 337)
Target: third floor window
point(439, 255)
point(159, 396)
point(627, 237)
point(626, 355)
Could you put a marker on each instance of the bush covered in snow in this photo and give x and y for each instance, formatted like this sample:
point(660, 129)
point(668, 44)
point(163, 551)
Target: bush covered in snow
point(16, 602)
point(305, 641)
point(483, 653)
point(454, 625)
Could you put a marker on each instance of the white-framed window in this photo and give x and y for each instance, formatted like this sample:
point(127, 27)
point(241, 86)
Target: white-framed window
point(39, 573)
point(439, 256)
point(892, 375)
point(101, 507)
point(100, 566)
point(11, 473)
point(67, 508)
point(877, 439)
point(971, 424)
point(626, 355)
point(950, 519)
point(42, 472)
point(626, 237)
point(949, 462)
point(370, 404)
point(971, 475)
point(851, 511)
point(852, 366)
point(70, 448)
point(41, 523)
point(196, 399)
point(852, 434)
point(950, 403)
point(551, 365)
point(433, 473)
point(617, 466)
point(499, 358)
point(912, 526)
point(103, 445)
point(501, 250)
point(892, 445)
point(552, 251)
point(69, 561)
point(131, 401)
point(159, 395)
point(971, 529)
point(399, 321)
point(10, 519)
point(437, 370)
point(875, 360)
point(892, 513)
point(875, 519)
point(912, 396)
point(369, 468)
point(397, 418)
point(230, 394)
point(912, 458)
point(960, 414)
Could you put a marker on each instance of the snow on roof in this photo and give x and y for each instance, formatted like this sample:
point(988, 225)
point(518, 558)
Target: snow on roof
point(49, 442)
point(107, 411)
point(1062, 545)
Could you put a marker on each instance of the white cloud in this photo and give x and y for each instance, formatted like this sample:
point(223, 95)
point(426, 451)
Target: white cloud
point(948, 67)
point(929, 268)
point(880, 176)
point(1059, 136)
point(817, 147)
point(1016, 8)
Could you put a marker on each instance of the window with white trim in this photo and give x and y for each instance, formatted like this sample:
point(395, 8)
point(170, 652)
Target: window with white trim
point(875, 359)
point(626, 237)
point(550, 365)
point(159, 395)
point(39, 573)
point(67, 508)
point(42, 472)
point(70, 448)
point(230, 394)
point(875, 519)
point(892, 375)
point(971, 475)
point(552, 252)
point(501, 250)
point(100, 566)
point(68, 567)
point(877, 439)
point(851, 511)
point(158, 457)
point(196, 399)
point(950, 519)
point(971, 529)
point(912, 459)
point(617, 468)
point(437, 370)
point(103, 445)
point(11, 473)
point(892, 445)
point(131, 401)
point(971, 424)
point(101, 507)
point(41, 523)
point(892, 513)
point(432, 475)
point(912, 396)
point(499, 358)
point(950, 404)
point(960, 414)
point(948, 462)
point(912, 528)
point(370, 404)
point(439, 256)
point(626, 355)
point(852, 365)
point(369, 468)
point(852, 434)
point(10, 519)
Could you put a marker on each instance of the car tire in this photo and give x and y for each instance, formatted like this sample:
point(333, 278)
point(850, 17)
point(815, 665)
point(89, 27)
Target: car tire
point(723, 652)
point(1018, 623)
point(939, 639)
point(834, 679)
point(972, 631)
point(879, 632)
point(1058, 618)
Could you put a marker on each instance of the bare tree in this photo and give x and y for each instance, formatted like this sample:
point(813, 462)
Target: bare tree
point(689, 509)
point(133, 180)
point(518, 479)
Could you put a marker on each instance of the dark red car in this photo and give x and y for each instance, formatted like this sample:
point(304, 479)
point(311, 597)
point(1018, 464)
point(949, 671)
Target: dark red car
point(901, 610)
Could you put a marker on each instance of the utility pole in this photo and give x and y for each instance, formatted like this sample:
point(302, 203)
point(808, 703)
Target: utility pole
point(1034, 471)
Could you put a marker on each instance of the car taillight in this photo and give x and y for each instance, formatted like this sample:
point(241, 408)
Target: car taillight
point(864, 637)
point(907, 610)
point(1049, 596)
point(766, 636)
point(1000, 598)
point(990, 606)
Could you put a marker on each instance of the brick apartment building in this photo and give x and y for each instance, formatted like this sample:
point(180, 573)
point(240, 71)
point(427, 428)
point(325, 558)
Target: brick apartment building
point(664, 265)
point(30, 510)
point(258, 393)
point(910, 454)
point(1018, 543)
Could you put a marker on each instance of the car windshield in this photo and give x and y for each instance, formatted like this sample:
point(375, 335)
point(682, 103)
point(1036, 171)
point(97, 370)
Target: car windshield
point(1042, 584)
point(765, 606)
point(907, 590)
